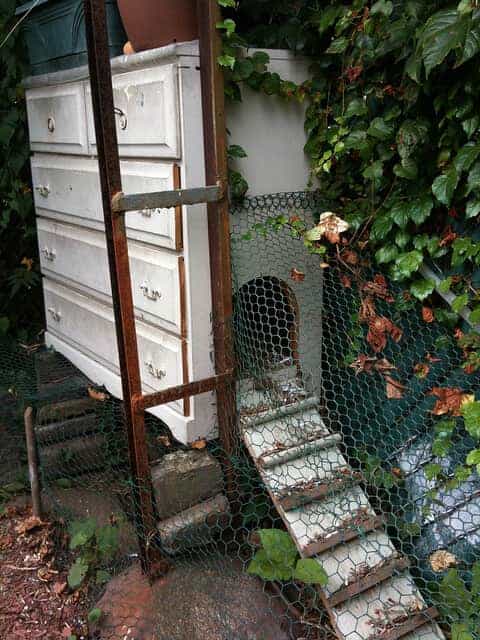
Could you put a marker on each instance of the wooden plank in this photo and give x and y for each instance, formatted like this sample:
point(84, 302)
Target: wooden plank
point(411, 624)
point(122, 203)
point(302, 449)
point(295, 497)
point(363, 583)
point(343, 535)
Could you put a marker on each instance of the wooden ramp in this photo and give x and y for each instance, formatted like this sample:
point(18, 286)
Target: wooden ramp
point(370, 593)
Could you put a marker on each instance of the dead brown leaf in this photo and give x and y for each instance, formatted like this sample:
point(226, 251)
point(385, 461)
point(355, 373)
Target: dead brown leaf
point(59, 587)
point(394, 388)
point(164, 441)
point(297, 275)
point(368, 364)
point(350, 257)
point(421, 370)
point(367, 309)
point(442, 560)
point(199, 444)
point(29, 524)
point(427, 314)
point(379, 328)
point(378, 287)
point(346, 282)
point(450, 400)
point(100, 396)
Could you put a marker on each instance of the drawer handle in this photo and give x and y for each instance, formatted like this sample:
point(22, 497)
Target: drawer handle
point(153, 371)
point(50, 254)
point(123, 118)
point(56, 315)
point(151, 294)
point(43, 190)
point(51, 124)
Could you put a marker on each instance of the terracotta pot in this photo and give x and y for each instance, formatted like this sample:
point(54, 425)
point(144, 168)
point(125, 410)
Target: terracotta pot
point(154, 23)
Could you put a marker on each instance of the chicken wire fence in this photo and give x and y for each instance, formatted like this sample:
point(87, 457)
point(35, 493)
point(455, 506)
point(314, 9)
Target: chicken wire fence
point(345, 508)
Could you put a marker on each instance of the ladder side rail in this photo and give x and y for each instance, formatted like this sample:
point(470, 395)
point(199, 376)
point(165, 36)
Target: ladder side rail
point(117, 246)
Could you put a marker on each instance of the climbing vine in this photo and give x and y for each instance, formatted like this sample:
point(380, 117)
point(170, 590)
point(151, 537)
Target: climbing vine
point(20, 291)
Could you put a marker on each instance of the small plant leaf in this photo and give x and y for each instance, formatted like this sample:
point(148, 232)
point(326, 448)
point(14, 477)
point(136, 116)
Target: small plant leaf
point(77, 573)
point(94, 615)
point(310, 571)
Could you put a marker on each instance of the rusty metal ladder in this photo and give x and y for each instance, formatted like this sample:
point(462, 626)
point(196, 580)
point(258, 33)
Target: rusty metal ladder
point(115, 206)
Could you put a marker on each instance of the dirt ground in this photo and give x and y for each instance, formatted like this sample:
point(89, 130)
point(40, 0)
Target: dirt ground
point(34, 598)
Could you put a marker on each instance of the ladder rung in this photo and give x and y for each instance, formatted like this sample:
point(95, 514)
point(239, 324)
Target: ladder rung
point(344, 535)
point(181, 391)
point(269, 460)
point(410, 624)
point(297, 496)
point(368, 581)
point(165, 199)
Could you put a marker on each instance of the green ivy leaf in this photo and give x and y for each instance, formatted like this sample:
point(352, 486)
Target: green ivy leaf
point(445, 285)
point(409, 136)
point(470, 125)
point(338, 46)
point(381, 227)
point(81, 532)
point(263, 566)
point(356, 107)
point(421, 289)
point(473, 181)
point(279, 546)
point(226, 61)
point(466, 157)
point(102, 577)
point(77, 573)
point(473, 457)
point(400, 214)
point(432, 471)
point(386, 254)
point(236, 151)
point(460, 630)
point(107, 541)
point(94, 615)
point(472, 209)
point(460, 303)
point(475, 316)
point(471, 414)
point(454, 595)
point(228, 26)
point(227, 3)
point(407, 170)
point(384, 7)
point(374, 171)
point(408, 263)
point(380, 130)
point(402, 238)
point(444, 186)
point(420, 209)
point(310, 571)
point(443, 32)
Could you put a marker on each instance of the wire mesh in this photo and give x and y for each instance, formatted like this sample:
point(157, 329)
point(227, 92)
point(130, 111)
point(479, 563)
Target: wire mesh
point(345, 508)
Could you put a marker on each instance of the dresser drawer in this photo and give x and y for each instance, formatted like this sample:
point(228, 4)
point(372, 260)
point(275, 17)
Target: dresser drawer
point(146, 112)
point(79, 255)
point(57, 119)
point(71, 186)
point(89, 326)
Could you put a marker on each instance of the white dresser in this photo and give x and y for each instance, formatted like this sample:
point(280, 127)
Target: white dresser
point(159, 124)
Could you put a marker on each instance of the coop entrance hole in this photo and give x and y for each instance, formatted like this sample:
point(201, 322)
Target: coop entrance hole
point(266, 324)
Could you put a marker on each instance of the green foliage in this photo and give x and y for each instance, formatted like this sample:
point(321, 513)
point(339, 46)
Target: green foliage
point(20, 291)
point(460, 603)
point(278, 559)
point(96, 546)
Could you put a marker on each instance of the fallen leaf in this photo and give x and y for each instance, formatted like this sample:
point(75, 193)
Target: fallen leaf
point(458, 334)
point(432, 359)
point(368, 364)
point(346, 282)
point(97, 395)
point(442, 560)
point(29, 524)
point(59, 587)
point(329, 227)
point(324, 265)
point(427, 314)
point(379, 328)
point(297, 275)
point(350, 257)
point(367, 309)
point(378, 287)
point(448, 237)
point(394, 388)
point(421, 370)
point(397, 472)
point(450, 400)
point(199, 444)
point(164, 441)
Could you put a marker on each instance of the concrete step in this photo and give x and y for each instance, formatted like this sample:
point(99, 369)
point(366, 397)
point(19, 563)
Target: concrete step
point(261, 408)
point(198, 526)
point(55, 432)
point(65, 410)
point(73, 457)
point(184, 478)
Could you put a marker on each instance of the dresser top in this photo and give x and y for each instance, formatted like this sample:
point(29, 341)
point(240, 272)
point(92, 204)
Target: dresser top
point(142, 60)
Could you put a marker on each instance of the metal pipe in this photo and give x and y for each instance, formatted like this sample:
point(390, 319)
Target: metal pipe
point(111, 184)
point(32, 456)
